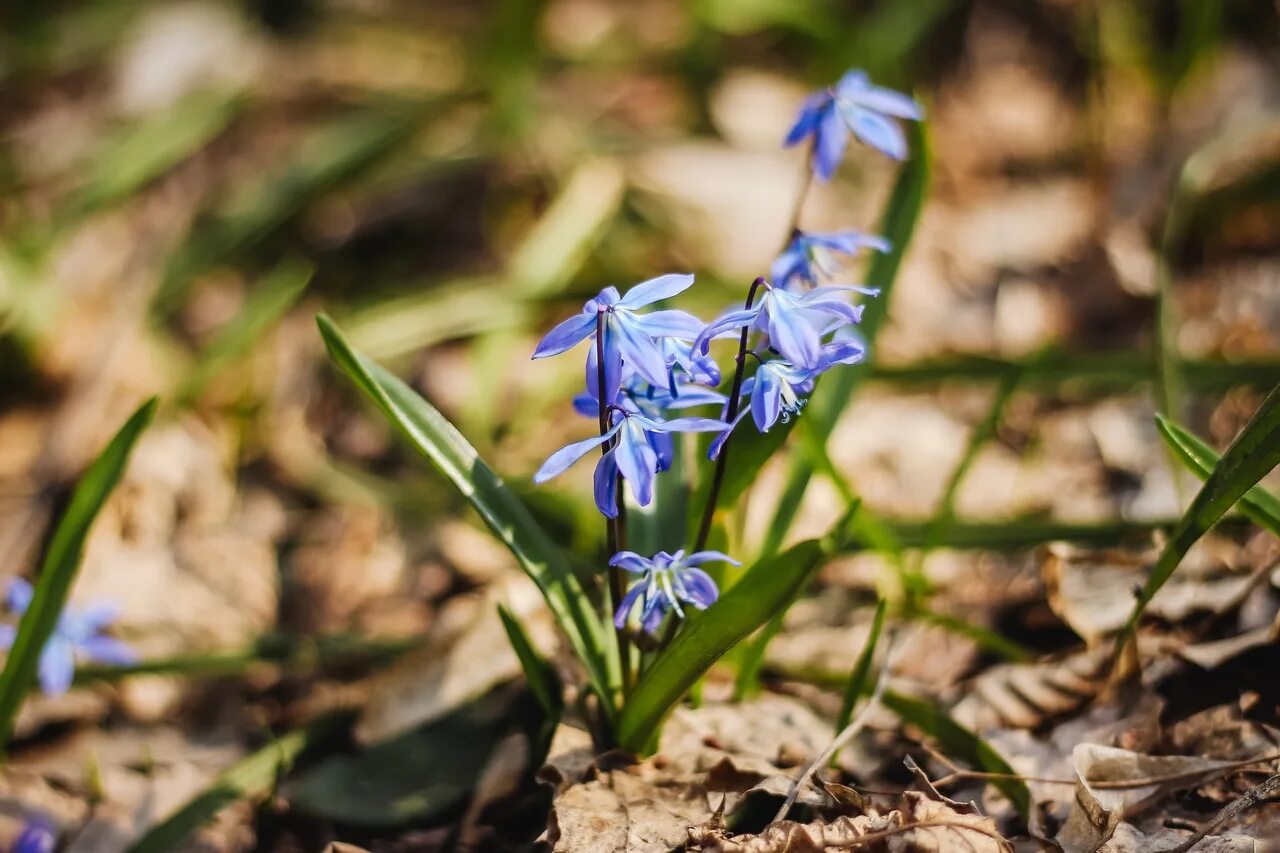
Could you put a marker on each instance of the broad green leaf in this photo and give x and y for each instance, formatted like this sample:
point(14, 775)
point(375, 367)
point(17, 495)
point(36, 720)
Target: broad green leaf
point(268, 302)
point(137, 154)
point(859, 678)
point(957, 742)
point(61, 563)
point(253, 777)
point(538, 673)
point(434, 437)
point(761, 592)
point(1261, 506)
point(1250, 457)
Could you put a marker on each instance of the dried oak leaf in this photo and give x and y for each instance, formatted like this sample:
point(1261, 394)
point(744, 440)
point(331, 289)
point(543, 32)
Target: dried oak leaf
point(918, 825)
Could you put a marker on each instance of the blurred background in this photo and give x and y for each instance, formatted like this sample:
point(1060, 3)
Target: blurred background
point(183, 185)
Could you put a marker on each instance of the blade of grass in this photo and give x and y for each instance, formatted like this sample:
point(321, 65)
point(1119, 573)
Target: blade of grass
point(1254, 453)
point(252, 777)
point(762, 591)
point(1261, 506)
point(957, 742)
point(858, 678)
point(1017, 534)
point(61, 563)
point(269, 301)
point(434, 437)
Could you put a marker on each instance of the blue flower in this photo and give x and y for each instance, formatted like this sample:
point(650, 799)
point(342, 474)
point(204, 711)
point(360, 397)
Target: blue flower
point(628, 337)
point(634, 455)
point(776, 391)
point(78, 632)
point(667, 580)
point(852, 105)
point(37, 836)
point(795, 323)
point(699, 368)
point(807, 256)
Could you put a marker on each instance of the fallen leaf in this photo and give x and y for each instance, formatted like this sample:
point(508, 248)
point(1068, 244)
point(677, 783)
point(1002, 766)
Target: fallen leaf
point(1026, 695)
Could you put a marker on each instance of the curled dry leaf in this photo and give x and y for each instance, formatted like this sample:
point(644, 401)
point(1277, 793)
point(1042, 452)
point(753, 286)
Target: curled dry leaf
point(1026, 695)
point(1114, 784)
point(918, 825)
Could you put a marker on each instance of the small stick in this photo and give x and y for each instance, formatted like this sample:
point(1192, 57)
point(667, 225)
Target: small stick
point(1251, 798)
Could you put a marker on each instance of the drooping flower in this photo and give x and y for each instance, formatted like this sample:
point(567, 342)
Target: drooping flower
point(809, 256)
point(79, 633)
point(37, 836)
point(666, 581)
point(681, 356)
point(634, 456)
point(794, 322)
point(777, 390)
point(854, 105)
point(628, 336)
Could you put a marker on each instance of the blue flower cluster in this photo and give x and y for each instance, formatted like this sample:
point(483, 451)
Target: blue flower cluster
point(643, 370)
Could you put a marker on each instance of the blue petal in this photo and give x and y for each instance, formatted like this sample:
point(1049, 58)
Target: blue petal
point(839, 352)
point(792, 263)
point(557, 463)
point(613, 368)
point(108, 650)
point(849, 242)
point(879, 132)
point(843, 310)
point(732, 319)
point(640, 352)
point(627, 603)
point(830, 142)
point(766, 399)
point(718, 444)
point(57, 666)
point(852, 84)
point(697, 558)
point(663, 445)
point(605, 485)
point(638, 464)
point(614, 375)
point(586, 404)
point(683, 425)
point(791, 335)
point(669, 324)
point(19, 595)
point(807, 120)
point(566, 335)
point(37, 836)
point(631, 561)
point(654, 609)
point(700, 589)
point(889, 102)
point(7, 634)
point(694, 395)
point(97, 616)
point(656, 289)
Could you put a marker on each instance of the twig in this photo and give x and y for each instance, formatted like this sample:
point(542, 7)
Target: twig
point(1250, 799)
point(844, 736)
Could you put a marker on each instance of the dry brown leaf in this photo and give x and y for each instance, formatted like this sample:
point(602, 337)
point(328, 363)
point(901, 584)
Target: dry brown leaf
point(1114, 784)
point(918, 825)
point(1026, 695)
point(625, 811)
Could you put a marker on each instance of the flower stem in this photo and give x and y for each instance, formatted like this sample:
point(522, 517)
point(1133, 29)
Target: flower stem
point(615, 528)
point(730, 414)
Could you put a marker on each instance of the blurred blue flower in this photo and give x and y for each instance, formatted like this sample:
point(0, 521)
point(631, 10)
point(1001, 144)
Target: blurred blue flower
point(667, 580)
point(78, 633)
point(628, 336)
point(809, 256)
point(639, 397)
point(634, 456)
point(794, 322)
point(37, 836)
point(854, 105)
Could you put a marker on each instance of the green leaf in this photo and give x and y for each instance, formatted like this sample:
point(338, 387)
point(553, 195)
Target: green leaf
point(252, 777)
point(761, 592)
point(61, 563)
point(1261, 506)
point(1014, 534)
point(435, 438)
point(859, 678)
point(538, 673)
point(957, 742)
point(1250, 457)
point(269, 302)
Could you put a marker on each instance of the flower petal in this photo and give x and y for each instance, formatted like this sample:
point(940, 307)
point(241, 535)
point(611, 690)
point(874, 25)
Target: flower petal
point(605, 483)
point(718, 444)
point(630, 561)
point(557, 463)
point(566, 335)
point(638, 463)
point(656, 289)
point(877, 131)
point(57, 666)
point(669, 324)
point(108, 650)
point(829, 143)
point(766, 399)
point(19, 595)
point(890, 103)
point(700, 589)
point(733, 319)
point(628, 602)
point(695, 395)
point(640, 352)
point(697, 558)
point(807, 121)
point(791, 334)
point(685, 425)
point(7, 635)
